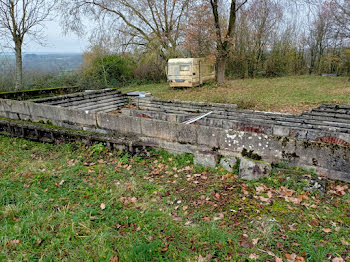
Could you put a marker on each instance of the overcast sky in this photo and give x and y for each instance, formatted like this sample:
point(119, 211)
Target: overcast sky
point(57, 42)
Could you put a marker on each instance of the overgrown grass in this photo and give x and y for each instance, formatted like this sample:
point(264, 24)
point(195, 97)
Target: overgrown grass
point(286, 94)
point(72, 203)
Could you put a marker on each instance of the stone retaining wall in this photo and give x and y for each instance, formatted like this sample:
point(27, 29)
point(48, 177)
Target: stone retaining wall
point(328, 123)
point(330, 159)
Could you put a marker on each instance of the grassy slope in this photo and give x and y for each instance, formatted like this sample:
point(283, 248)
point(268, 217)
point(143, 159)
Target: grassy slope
point(65, 202)
point(286, 94)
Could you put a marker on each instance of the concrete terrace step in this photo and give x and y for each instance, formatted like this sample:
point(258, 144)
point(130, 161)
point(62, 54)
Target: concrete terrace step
point(328, 115)
point(79, 99)
point(102, 105)
point(70, 96)
point(346, 107)
point(90, 100)
point(107, 108)
point(90, 103)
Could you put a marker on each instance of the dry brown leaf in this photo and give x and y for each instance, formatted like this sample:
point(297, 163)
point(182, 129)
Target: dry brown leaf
point(291, 257)
point(114, 259)
point(300, 259)
point(277, 259)
point(221, 216)
point(253, 256)
point(326, 230)
point(264, 199)
point(255, 241)
point(345, 243)
point(269, 194)
point(184, 208)
point(337, 259)
point(259, 189)
point(14, 242)
point(292, 227)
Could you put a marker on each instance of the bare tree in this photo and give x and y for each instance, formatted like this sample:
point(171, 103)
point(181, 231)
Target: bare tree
point(224, 36)
point(19, 18)
point(264, 16)
point(341, 13)
point(150, 22)
point(199, 31)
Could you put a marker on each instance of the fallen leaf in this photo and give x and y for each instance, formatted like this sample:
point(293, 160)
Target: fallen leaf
point(253, 256)
point(291, 257)
point(103, 206)
point(184, 208)
point(292, 227)
point(255, 241)
point(345, 243)
point(264, 199)
point(14, 242)
point(206, 219)
point(326, 230)
point(294, 258)
point(188, 223)
point(38, 242)
point(269, 194)
point(260, 189)
point(221, 216)
point(114, 259)
point(338, 259)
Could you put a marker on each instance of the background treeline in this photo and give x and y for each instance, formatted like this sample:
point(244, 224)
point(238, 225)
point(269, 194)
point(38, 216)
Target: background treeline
point(133, 39)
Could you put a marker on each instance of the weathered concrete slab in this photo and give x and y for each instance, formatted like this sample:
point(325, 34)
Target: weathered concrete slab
point(120, 123)
point(251, 169)
point(228, 163)
point(206, 158)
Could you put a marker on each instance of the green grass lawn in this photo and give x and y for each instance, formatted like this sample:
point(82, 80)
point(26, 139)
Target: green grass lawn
point(72, 203)
point(286, 94)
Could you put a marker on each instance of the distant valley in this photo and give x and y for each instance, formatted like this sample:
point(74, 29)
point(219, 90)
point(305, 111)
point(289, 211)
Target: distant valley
point(43, 62)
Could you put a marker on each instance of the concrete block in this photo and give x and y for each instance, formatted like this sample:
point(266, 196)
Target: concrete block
point(126, 111)
point(186, 133)
point(208, 136)
point(78, 117)
point(228, 163)
point(281, 131)
point(169, 131)
point(251, 169)
point(172, 118)
point(206, 158)
point(119, 123)
point(13, 106)
point(172, 147)
point(42, 111)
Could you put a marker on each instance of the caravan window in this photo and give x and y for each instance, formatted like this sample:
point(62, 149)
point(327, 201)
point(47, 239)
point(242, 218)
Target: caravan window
point(184, 68)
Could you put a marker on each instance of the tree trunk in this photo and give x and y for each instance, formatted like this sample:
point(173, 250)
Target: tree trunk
point(220, 69)
point(19, 68)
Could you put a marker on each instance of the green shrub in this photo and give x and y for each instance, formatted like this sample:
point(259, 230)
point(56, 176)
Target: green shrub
point(110, 71)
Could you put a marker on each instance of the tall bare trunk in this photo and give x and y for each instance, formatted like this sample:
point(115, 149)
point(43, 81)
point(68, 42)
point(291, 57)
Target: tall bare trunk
point(19, 68)
point(221, 69)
